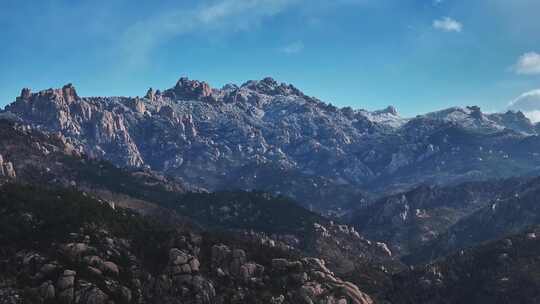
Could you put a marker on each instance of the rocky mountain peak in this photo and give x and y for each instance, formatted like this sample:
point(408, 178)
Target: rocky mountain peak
point(475, 112)
point(270, 86)
point(516, 121)
point(150, 94)
point(519, 114)
point(389, 110)
point(50, 106)
point(67, 94)
point(516, 115)
point(186, 89)
point(269, 81)
point(472, 118)
point(26, 93)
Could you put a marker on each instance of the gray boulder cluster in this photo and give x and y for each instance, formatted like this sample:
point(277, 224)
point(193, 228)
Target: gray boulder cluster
point(95, 267)
point(96, 280)
point(306, 280)
point(317, 283)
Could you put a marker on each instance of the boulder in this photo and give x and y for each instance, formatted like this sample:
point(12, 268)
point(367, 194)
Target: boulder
point(64, 285)
point(110, 268)
point(178, 257)
point(47, 291)
point(8, 170)
point(93, 295)
point(66, 280)
point(194, 264)
point(75, 251)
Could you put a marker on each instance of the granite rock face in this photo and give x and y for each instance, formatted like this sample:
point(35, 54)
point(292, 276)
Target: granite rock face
point(190, 90)
point(6, 169)
point(30, 156)
point(244, 136)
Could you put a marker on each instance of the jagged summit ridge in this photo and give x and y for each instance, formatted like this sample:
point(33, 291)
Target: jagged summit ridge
point(388, 110)
point(472, 117)
point(243, 136)
point(67, 93)
point(270, 86)
point(191, 90)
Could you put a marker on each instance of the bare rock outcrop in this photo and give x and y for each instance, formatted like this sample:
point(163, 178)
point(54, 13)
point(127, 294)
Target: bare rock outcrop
point(317, 284)
point(186, 89)
point(63, 111)
point(7, 169)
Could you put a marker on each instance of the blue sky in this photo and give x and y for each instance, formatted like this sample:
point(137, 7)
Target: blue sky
point(417, 55)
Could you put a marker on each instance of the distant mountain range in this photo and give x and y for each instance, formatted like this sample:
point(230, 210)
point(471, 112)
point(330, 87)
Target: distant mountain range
point(269, 136)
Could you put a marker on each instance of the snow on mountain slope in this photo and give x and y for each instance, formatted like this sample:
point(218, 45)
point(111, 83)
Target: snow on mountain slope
point(236, 136)
point(473, 118)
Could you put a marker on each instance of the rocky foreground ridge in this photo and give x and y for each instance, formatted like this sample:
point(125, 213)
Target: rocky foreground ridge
point(244, 136)
point(80, 250)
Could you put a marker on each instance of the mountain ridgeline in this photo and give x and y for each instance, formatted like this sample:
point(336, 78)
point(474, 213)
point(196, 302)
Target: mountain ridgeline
point(244, 136)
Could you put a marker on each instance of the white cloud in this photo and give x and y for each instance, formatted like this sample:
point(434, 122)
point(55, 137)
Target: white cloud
point(220, 16)
point(293, 48)
point(528, 64)
point(533, 116)
point(529, 104)
point(448, 24)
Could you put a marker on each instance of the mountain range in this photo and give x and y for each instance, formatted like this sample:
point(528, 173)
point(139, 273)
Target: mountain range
point(244, 137)
point(258, 193)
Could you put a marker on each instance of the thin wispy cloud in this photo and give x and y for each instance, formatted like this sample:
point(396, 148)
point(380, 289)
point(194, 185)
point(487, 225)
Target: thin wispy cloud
point(448, 24)
point(529, 104)
point(292, 48)
point(224, 16)
point(528, 64)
